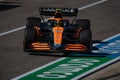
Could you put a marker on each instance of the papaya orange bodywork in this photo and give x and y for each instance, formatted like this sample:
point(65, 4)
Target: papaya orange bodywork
point(38, 32)
point(55, 33)
point(58, 34)
point(40, 46)
point(75, 47)
point(58, 30)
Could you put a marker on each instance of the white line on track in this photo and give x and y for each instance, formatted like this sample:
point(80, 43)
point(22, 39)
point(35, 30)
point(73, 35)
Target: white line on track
point(27, 73)
point(81, 8)
point(101, 66)
point(93, 4)
point(96, 68)
point(10, 31)
point(77, 77)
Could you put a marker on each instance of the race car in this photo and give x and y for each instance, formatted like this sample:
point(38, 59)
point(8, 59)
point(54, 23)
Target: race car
point(57, 34)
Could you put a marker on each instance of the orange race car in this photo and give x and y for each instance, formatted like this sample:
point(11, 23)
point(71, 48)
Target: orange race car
point(57, 34)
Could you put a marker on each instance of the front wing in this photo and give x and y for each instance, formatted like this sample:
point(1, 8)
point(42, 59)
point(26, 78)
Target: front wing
point(37, 46)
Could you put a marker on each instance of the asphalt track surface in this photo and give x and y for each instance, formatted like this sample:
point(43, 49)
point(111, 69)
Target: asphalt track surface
point(14, 61)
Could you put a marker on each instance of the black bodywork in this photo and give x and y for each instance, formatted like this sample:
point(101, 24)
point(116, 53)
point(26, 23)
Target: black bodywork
point(75, 32)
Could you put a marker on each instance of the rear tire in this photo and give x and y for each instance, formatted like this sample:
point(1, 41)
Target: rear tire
point(83, 23)
point(33, 21)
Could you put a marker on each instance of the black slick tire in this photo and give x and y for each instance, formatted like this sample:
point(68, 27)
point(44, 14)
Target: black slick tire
point(86, 39)
point(33, 21)
point(83, 23)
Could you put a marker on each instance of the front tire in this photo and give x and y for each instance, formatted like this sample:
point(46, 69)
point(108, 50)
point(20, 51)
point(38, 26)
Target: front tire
point(29, 37)
point(86, 39)
point(29, 32)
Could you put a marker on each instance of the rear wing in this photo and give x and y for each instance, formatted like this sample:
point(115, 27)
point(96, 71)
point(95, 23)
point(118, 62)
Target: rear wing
point(51, 11)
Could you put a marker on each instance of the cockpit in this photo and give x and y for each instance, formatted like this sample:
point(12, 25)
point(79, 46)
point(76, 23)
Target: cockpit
point(52, 23)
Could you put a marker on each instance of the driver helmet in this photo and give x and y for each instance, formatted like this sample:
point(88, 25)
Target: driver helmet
point(58, 14)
